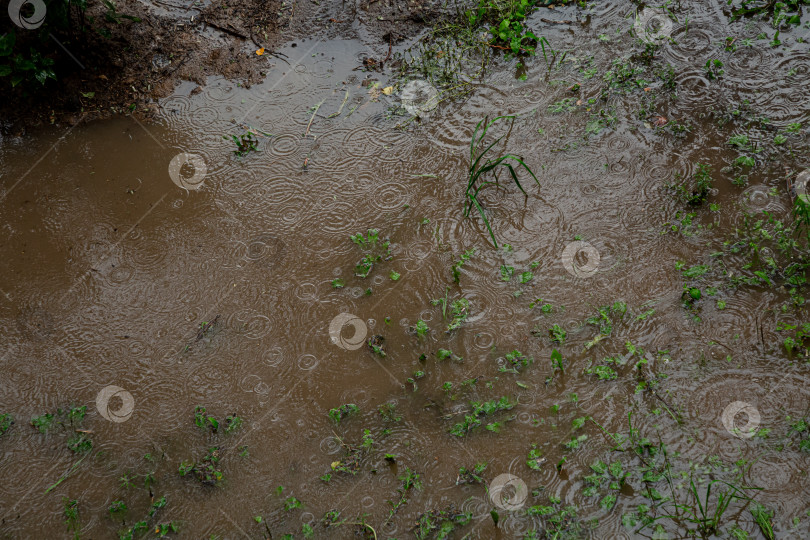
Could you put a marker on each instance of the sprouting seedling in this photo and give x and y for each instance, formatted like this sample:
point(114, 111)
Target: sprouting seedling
point(465, 257)
point(557, 360)
point(480, 165)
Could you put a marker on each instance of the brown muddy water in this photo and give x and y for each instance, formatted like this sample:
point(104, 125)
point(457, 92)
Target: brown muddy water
point(221, 295)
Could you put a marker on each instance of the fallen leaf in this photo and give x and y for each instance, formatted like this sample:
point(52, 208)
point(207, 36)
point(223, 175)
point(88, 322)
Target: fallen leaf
point(388, 90)
point(647, 89)
point(260, 52)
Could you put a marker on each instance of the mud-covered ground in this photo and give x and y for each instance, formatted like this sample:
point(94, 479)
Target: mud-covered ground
point(264, 313)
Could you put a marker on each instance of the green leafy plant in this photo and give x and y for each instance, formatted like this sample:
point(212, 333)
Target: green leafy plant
point(421, 328)
point(21, 67)
point(374, 249)
point(557, 334)
point(480, 410)
point(459, 311)
point(339, 413)
point(535, 459)
point(515, 361)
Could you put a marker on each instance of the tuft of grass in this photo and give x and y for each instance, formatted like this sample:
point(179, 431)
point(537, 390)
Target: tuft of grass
point(764, 519)
point(481, 165)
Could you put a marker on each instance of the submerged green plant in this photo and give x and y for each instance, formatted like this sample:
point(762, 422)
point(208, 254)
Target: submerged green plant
point(699, 190)
point(5, 422)
point(71, 513)
point(459, 310)
point(480, 410)
point(339, 413)
point(465, 257)
point(481, 165)
point(375, 251)
point(245, 143)
point(472, 475)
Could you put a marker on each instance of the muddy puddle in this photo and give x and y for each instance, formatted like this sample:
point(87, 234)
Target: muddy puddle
point(624, 338)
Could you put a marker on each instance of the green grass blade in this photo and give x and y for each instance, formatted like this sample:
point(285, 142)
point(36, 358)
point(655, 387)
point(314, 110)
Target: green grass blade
point(486, 222)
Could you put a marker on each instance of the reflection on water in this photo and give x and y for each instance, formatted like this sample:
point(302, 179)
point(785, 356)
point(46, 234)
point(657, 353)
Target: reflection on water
point(120, 285)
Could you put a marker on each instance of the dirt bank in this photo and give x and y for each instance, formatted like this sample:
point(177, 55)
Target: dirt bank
point(120, 61)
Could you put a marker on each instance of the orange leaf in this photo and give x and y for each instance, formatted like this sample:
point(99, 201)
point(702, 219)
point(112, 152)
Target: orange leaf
point(260, 52)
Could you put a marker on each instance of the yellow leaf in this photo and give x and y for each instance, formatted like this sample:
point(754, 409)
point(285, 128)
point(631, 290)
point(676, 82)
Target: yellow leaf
point(260, 52)
point(388, 90)
point(335, 464)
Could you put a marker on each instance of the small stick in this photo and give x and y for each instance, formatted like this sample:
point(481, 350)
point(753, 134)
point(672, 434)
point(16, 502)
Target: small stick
point(345, 99)
point(318, 106)
point(389, 50)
